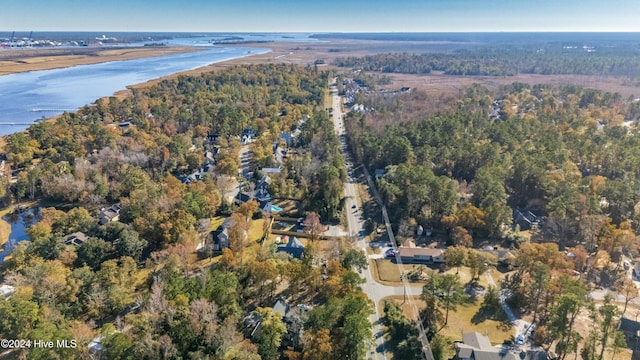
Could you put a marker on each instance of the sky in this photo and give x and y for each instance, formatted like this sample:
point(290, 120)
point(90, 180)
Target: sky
point(321, 15)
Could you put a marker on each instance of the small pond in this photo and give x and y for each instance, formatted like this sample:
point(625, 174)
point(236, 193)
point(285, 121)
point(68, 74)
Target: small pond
point(20, 220)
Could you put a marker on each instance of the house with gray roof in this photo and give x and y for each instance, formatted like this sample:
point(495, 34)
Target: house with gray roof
point(475, 346)
point(109, 214)
point(77, 238)
point(294, 248)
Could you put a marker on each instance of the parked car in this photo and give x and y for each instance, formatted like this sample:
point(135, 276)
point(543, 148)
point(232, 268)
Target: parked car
point(390, 253)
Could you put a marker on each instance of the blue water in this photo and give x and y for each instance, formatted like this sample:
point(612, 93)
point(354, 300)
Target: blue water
point(71, 88)
point(20, 222)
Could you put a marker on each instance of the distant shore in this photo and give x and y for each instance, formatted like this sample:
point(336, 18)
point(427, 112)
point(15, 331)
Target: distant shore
point(14, 61)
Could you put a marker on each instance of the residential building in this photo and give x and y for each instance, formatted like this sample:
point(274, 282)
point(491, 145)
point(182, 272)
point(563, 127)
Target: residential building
point(294, 248)
point(6, 291)
point(77, 238)
point(421, 255)
point(631, 330)
point(109, 214)
point(525, 219)
point(475, 346)
point(221, 240)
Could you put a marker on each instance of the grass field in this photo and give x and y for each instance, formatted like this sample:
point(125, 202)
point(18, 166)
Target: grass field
point(386, 271)
point(461, 321)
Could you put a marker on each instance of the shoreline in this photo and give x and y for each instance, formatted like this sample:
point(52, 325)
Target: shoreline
point(25, 60)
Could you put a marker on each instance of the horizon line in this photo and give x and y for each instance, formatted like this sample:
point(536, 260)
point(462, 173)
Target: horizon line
point(343, 32)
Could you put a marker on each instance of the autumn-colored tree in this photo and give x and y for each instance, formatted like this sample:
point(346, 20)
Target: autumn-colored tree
point(227, 259)
point(237, 235)
point(263, 275)
point(461, 237)
point(627, 288)
point(471, 218)
point(247, 209)
point(317, 345)
point(313, 226)
point(580, 257)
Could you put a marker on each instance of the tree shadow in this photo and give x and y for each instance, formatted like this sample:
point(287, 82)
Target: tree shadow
point(480, 316)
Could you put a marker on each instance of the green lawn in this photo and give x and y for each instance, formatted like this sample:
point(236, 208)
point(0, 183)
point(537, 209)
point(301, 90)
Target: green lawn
point(216, 222)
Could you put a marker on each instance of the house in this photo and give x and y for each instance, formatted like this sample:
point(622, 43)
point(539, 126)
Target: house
point(292, 317)
point(77, 238)
point(262, 193)
point(242, 198)
point(196, 176)
point(631, 329)
point(221, 240)
point(288, 137)
point(95, 346)
point(6, 291)
point(294, 248)
point(248, 135)
point(109, 214)
point(281, 307)
point(418, 254)
point(475, 346)
point(122, 126)
point(525, 219)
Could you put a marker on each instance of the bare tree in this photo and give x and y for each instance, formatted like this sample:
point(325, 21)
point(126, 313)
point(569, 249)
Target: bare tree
point(313, 226)
point(627, 288)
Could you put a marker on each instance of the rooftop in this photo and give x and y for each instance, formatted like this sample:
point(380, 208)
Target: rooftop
point(419, 251)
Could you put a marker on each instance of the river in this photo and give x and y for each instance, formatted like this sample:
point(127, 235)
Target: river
point(26, 97)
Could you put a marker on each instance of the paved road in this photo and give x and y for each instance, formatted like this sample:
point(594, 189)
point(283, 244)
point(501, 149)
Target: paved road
point(245, 161)
point(371, 288)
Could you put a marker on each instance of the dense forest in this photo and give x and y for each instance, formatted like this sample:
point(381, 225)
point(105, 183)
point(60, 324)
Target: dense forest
point(506, 61)
point(465, 167)
point(569, 153)
point(134, 283)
